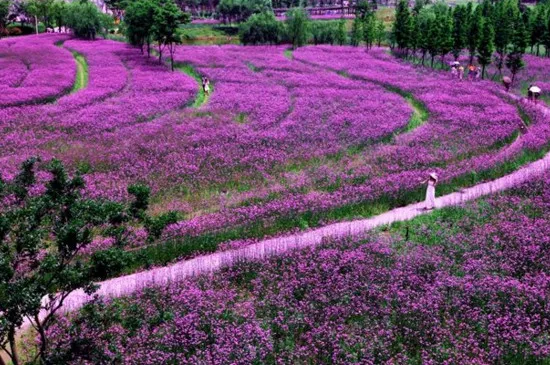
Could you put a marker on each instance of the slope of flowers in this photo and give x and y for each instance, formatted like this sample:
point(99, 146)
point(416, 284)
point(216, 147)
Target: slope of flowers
point(34, 70)
point(468, 285)
point(462, 136)
point(281, 137)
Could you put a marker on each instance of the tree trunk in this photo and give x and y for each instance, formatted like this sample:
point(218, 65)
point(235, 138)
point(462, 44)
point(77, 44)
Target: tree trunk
point(36, 24)
point(43, 338)
point(13, 347)
point(483, 72)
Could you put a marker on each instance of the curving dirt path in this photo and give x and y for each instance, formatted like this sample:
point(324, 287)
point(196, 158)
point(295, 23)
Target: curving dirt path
point(276, 246)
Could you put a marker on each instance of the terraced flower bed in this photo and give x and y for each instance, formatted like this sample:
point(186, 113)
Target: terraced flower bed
point(282, 143)
point(34, 71)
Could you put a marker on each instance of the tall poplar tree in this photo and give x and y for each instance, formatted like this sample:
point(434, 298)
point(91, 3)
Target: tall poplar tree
point(474, 32)
point(402, 25)
point(514, 61)
point(486, 45)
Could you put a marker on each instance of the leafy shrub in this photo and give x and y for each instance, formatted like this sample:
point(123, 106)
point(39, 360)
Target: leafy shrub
point(260, 28)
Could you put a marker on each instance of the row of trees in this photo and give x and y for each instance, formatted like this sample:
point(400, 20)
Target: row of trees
point(492, 32)
point(263, 28)
point(154, 21)
point(366, 27)
point(82, 16)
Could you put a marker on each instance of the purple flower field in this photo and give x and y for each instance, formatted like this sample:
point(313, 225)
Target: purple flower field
point(33, 70)
point(470, 285)
point(287, 140)
point(278, 137)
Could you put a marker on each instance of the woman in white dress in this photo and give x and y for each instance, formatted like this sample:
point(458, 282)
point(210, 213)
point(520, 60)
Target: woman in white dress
point(430, 191)
point(206, 86)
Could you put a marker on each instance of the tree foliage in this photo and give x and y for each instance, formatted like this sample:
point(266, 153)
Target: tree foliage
point(85, 19)
point(4, 13)
point(44, 227)
point(260, 28)
point(297, 27)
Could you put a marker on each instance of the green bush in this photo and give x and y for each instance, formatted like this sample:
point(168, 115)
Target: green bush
point(325, 32)
point(86, 21)
point(260, 28)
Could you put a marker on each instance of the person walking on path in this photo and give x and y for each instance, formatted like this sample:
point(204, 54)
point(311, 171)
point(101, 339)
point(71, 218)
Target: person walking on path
point(206, 86)
point(471, 72)
point(507, 82)
point(460, 72)
point(454, 71)
point(430, 191)
point(534, 93)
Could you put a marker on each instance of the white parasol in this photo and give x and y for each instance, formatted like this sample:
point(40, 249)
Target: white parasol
point(535, 89)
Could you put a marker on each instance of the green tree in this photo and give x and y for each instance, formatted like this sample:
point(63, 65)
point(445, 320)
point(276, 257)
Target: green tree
point(41, 238)
point(167, 17)
point(460, 23)
point(504, 14)
point(486, 46)
point(402, 25)
point(369, 30)
point(139, 21)
point(474, 32)
point(341, 33)
point(546, 38)
point(537, 27)
point(297, 27)
point(426, 39)
point(58, 12)
point(356, 32)
point(260, 28)
point(324, 33)
point(380, 32)
point(444, 37)
point(240, 10)
point(4, 13)
point(85, 19)
point(514, 60)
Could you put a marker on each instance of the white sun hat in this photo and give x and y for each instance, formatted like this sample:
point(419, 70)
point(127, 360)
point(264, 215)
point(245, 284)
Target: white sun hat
point(433, 175)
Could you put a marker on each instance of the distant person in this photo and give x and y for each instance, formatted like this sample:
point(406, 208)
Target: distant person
point(507, 82)
point(454, 71)
point(534, 93)
point(471, 72)
point(478, 73)
point(522, 127)
point(429, 203)
point(206, 86)
point(460, 72)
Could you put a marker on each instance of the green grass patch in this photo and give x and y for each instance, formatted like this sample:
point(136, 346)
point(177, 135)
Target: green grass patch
point(288, 54)
point(241, 118)
point(82, 74)
point(201, 98)
point(253, 68)
point(208, 34)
